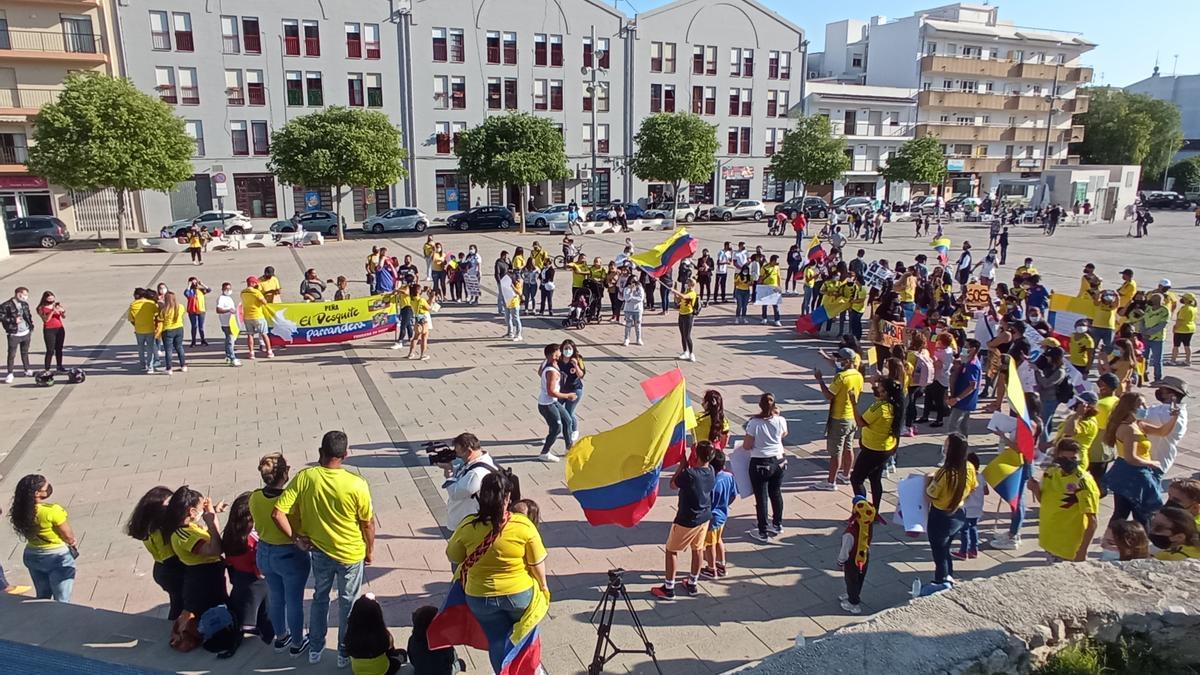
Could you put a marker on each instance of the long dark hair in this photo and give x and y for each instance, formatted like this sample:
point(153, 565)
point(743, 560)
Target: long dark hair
point(23, 512)
point(954, 467)
point(714, 407)
point(175, 516)
point(46, 295)
point(766, 406)
point(146, 515)
point(367, 634)
point(493, 492)
point(1121, 412)
point(238, 527)
point(894, 397)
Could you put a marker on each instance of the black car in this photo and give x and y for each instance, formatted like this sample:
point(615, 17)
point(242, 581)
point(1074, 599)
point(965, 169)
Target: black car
point(1165, 200)
point(36, 232)
point(814, 207)
point(482, 217)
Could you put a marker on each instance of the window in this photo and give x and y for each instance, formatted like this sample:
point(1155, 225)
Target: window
point(189, 88)
point(732, 141)
point(493, 46)
point(970, 52)
point(295, 87)
point(164, 79)
point(541, 51)
point(442, 138)
point(601, 140)
point(556, 94)
point(510, 93)
point(458, 92)
point(239, 137)
point(1008, 151)
point(510, 49)
point(601, 48)
point(741, 62)
point(441, 92)
point(251, 36)
point(656, 98)
point(856, 61)
point(160, 32)
point(980, 151)
point(441, 51)
point(316, 95)
point(930, 48)
point(745, 140)
point(354, 90)
point(668, 57)
point(353, 41)
point(947, 84)
point(986, 119)
point(231, 42)
point(291, 37)
point(234, 93)
point(779, 65)
point(969, 86)
point(747, 100)
point(444, 182)
point(312, 38)
point(964, 121)
point(260, 136)
point(780, 98)
point(773, 65)
point(195, 129)
point(556, 51)
point(256, 89)
point(739, 102)
point(601, 98)
point(541, 95)
point(774, 140)
point(371, 40)
point(374, 90)
point(704, 60)
point(704, 100)
point(494, 93)
point(662, 98)
point(183, 31)
point(656, 57)
point(962, 149)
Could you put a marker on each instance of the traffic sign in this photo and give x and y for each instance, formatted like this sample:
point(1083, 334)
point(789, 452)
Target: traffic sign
point(218, 178)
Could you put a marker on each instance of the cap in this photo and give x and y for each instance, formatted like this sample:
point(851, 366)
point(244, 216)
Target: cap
point(1165, 283)
point(251, 281)
point(1085, 397)
point(846, 353)
point(1109, 380)
point(1051, 342)
point(1127, 271)
point(1174, 384)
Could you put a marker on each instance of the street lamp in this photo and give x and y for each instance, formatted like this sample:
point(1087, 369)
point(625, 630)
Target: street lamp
point(1051, 97)
point(593, 86)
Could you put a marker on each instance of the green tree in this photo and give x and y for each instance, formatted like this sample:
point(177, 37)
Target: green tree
point(811, 153)
point(104, 133)
point(1125, 128)
point(338, 147)
point(673, 148)
point(1186, 174)
point(917, 161)
point(512, 149)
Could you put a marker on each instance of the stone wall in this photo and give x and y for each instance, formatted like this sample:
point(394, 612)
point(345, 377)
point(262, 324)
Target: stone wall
point(1012, 622)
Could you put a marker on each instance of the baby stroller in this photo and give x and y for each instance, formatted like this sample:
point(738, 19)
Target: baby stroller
point(776, 225)
point(577, 313)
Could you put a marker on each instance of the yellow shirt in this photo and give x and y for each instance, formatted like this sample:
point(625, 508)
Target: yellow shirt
point(427, 249)
point(158, 546)
point(253, 304)
point(1104, 316)
point(769, 275)
point(194, 240)
point(503, 570)
point(1067, 500)
point(518, 262)
point(171, 320)
point(1182, 553)
point(598, 272)
point(403, 299)
point(270, 289)
point(579, 274)
point(540, 258)
point(1141, 446)
point(372, 262)
point(439, 261)
point(1185, 320)
point(742, 284)
point(1086, 431)
point(261, 507)
point(857, 294)
point(1104, 408)
point(1082, 346)
point(877, 435)
point(1025, 271)
point(940, 496)
point(378, 665)
point(515, 300)
point(907, 290)
point(142, 314)
point(1084, 286)
point(704, 427)
point(184, 541)
point(1125, 292)
point(332, 504)
point(420, 304)
point(46, 517)
point(687, 303)
point(845, 384)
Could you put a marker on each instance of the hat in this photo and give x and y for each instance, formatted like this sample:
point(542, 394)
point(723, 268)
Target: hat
point(1165, 283)
point(1051, 342)
point(1085, 397)
point(1127, 271)
point(1174, 384)
point(251, 280)
point(846, 353)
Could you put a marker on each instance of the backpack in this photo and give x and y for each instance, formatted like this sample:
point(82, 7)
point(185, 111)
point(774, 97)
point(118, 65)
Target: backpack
point(514, 481)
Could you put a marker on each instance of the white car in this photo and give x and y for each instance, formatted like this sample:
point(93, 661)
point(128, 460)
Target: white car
point(231, 222)
point(684, 212)
point(397, 219)
point(738, 209)
point(553, 217)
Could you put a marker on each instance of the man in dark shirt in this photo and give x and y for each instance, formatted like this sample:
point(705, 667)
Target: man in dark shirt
point(501, 271)
point(407, 273)
point(695, 485)
point(1003, 240)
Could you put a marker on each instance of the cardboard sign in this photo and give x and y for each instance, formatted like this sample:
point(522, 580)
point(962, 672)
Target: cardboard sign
point(978, 296)
point(891, 333)
point(875, 275)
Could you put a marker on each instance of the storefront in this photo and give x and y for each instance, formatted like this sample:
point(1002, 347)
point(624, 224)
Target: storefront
point(453, 191)
point(860, 189)
point(737, 181)
point(773, 190)
point(370, 202)
point(254, 194)
point(701, 193)
point(22, 196)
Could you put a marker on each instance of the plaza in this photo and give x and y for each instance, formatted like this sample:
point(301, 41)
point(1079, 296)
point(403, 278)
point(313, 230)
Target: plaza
point(104, 442)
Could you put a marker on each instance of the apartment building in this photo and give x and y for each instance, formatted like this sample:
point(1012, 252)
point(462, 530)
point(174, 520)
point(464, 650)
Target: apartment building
point(875, 122)
point(40, 43)
point(237, 71)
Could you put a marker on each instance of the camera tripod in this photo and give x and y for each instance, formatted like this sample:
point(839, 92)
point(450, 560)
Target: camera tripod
point(607, 608)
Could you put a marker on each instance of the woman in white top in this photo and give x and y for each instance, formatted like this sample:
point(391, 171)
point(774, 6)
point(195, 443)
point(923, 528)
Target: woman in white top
point(764, 439)
point(635, 300)
point(550, 404)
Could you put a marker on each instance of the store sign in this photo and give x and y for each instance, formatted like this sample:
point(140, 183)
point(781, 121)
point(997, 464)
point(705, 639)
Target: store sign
point(1028, 163)
point(23, 183)
point(736, 172)
point(955, 165)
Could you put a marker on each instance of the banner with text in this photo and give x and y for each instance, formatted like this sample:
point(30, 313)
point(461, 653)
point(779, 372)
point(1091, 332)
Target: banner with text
point(301, 323)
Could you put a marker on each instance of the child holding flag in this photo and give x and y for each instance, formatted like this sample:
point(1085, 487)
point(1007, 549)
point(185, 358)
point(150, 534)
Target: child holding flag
point(1070, 503)
point(855, 553)
point(1010, 472)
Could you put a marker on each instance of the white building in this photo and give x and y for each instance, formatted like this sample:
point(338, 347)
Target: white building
point(1184, 92)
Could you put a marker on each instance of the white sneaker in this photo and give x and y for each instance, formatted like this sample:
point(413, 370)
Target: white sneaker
point(1007, 544)
point(519, 338)
point(28, 373)
point(640, 343)
point(314, 658)
point(396, 346)
point(843, 597)
point(691, 357)
point(574, 436)
point(778, 324)
point(548, 457)
point(682, 356)
point(764, 321)
point(343, 661)
point(235, 363)
point(170, 372)
point(850, 607)
point(626, 342)
point(183, 369)
point(825, 485)
point(8, 379)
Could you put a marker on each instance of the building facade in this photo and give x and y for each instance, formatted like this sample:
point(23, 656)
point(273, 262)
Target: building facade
point(1184, 92)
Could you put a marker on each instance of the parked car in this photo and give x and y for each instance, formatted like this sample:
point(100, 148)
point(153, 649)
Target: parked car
point(856, 204)
point(231, 222)
point(36, 232)
point(482, 217)
point(683, 211)
point(553, 216)
point(1165, 200)
point(738, 209)
point(398, 219)
point(324, 222)
point(632, 212)
point(814, 207)
point(923, 205)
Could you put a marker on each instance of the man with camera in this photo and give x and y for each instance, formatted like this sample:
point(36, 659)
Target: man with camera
point(463, 480)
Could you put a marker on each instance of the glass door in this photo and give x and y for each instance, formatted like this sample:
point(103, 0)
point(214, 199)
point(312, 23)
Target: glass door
point(78, 35)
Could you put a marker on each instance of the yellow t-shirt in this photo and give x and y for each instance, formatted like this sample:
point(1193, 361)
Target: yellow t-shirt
point(515, 300)
point(503, 569)
point(857, 294)
point(518, 262)
point(1067, 499)
point(1182, 553)
point(877, 435)
point(261, 507)
point(1185, 320)
point(769, 275)
point(1104, 316)
point(1086, 431)
point(253, 304)
point(597, 272)
point(704, 427)
point(907, 290)
point(845, 384)
point(47, 516)
point(939, 493)
point(540, 258)
point(579, 274)
point(1084, 286)
point(378, 665)
point(403, 299)
point(332, 503)
point(420, 305)
point(1125, 292)
point(194, 240)
point(687, 303)
point(427, 250)
point(184, 541)
point(1141, 446)
point(1082, 346)
point(171, 320)
point(439, 261)
point(270, 289)
point(158, 546)
point(742, 284)
point(1104, 408)
point(142, 313)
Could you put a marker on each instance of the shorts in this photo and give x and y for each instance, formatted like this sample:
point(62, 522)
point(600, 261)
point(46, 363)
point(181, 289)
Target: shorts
point(686, 538)
point(840, 436)
point(421, 319)
point(256, 326)
point(1183, 339)
point(714, 535)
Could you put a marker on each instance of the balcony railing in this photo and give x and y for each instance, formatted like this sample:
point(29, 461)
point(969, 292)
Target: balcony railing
point(950, 131)
point(253, 43)
point(167, 93)
point(27, 98)
point(160, 41)
point(235, 96)
point(14, 154)
point(312, 46)
point(868, 129)
point(189, 95)
point(52, 42)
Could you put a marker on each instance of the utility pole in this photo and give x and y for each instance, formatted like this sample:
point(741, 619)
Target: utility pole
point(1050, 98)
point(594, 83)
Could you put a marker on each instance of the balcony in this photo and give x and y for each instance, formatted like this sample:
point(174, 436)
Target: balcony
point(935, 98)
point(26, 101)
point(1080, 75)
point(44, 45)
point(959, 132)
point(13, 155)
point(984, 164)
point(1076, 133)
point(1041, 71)
point(1077, 105)
point(954, 65)
point(189, 95)
point(872, 130)
point(1071, 160)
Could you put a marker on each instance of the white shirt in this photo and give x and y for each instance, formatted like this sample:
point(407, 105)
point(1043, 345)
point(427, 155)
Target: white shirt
point(724, 258)
point(1164, 449)
point(544, 391)
point(988, 269)
point(768, 436)
point(973, 507)
point(943, 361)
point(225, 304)
point(635, 297)
point(461, 490)
point(740, 258)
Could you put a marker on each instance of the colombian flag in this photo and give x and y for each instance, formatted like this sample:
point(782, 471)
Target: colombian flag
point(830, 308)
point(1004, 474)
point(659, 260)
point(456, 625)
point(1016, 403)
point(815, 253)
point(942, 246)
point(614, 474)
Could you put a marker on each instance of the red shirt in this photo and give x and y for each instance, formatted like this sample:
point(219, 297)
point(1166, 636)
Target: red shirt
point(51, 316)
point(799, 223)
point(245, 561)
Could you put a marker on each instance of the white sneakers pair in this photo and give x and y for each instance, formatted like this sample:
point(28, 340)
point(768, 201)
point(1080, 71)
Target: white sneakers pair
point(687, 356)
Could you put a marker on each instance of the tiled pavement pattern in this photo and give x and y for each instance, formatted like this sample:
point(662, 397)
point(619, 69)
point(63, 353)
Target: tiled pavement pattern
point(103, 443)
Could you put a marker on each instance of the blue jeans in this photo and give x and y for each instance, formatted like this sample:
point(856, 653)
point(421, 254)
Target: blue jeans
point(1103, 338)
point(970, 536)
point(1018, 514)
point(53, 573)
point(741, 296)
point(326, 571)
point(570, 406)
point(1049, 405)
point(664, 294)
point(633, 322)
point(496, 616)
point(197, 323)
point(512, 319)
point(173, 341)
point(147, 352)
point(558, 421)
point(499, 299)
point(1154, 357)
point(229, 353)
point(942, 528)
point(285, 569)
point(406, 323)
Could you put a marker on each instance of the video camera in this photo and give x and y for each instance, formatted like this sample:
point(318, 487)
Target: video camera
point(439, 453)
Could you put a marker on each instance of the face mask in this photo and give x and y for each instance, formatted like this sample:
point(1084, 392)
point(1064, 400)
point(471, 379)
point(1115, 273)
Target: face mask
point(1067, 465)
point(1161, 541)
point(1175, 504)
point(1118, 353)
point(227, 291)
point(568, 353)
point(1080, 330)
point(1109, 556)
point(1140, 413)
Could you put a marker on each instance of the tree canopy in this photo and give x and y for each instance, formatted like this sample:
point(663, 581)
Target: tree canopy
point(1186, 174)
point(917, 161)
point(338, 147)
point(1125, 128)
point(673, 148)
point(104, 133)
point(811, 153)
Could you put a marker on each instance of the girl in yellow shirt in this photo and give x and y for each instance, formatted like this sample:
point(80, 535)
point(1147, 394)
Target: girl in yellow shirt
point(49, 541)
point(1132, 477)
point(947, 491)
point(422, 301)
point(170, 326)
point(142, 526)
point(190, 524)
point(687, 301)
point(1185, 326)
point(880, 426)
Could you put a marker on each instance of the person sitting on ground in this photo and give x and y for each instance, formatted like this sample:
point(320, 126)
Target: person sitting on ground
point(426, 661)
point(370, 644)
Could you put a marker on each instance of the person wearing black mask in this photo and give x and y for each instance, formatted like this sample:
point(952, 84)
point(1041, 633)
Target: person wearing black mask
point(1070, 503)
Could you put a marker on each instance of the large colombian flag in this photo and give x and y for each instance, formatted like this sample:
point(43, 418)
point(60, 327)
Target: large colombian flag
point(456, 625)
point(942, 246)
point(614, 474)
point(1004, 473)
point(658, 260)
point(831, 307)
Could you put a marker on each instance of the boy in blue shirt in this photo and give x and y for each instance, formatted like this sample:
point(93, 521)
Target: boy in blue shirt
point(723, 494)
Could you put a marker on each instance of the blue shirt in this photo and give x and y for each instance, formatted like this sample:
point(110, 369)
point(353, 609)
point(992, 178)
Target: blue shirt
point(723, 494)
point(968, 376)
point(385, 281)
point(1038, 297)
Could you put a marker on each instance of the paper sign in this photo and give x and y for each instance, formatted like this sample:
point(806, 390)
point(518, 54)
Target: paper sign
point(891, 333)
point(768, 295)
point(914, 508)
point(1003, 423)
point(978, 296)
point(875, 275)
point(1035, 342)
point(739, 466)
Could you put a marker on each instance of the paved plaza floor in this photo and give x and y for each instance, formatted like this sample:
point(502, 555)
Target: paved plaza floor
point(105, 442)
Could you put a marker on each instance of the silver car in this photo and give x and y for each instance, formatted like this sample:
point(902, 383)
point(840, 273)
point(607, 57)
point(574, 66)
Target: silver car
point(395, 220)
point(553, 216)
point(739, 209)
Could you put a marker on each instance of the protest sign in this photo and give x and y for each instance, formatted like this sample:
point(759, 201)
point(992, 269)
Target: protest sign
point(297, 323)
point(978, 296)
point(875, 275)
point(891, 333)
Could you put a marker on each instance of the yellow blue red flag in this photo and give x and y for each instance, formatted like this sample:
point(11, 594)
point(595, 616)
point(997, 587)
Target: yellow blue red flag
point(658, 260)
point(1015, 394)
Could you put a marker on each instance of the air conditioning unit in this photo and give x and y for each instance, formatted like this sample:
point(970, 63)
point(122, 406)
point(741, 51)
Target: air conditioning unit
point(583, 174)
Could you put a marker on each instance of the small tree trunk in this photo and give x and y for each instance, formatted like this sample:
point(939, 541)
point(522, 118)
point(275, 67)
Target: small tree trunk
point(338, 208)
point(121, 216)
point(675, 200)
point(524, 206)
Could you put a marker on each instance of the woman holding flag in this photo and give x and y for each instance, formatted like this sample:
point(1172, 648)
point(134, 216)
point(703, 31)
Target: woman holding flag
point(687, 301)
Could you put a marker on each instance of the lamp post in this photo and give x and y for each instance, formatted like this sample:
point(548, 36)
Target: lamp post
point(594, 84)
point(1050, 99)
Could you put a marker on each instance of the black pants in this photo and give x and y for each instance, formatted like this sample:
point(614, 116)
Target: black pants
point(197, 254)
point(54, 337)
point(935, 401)
point(766, 478)
point(248, 602)
point(547, 304)
point(21, 344)
point(869, 466)
point(685, 331)
point(719, 292)
point(910, 412)
point(169, 577)
point(1098, 469)
point(854, 579)
point(649, 288)
point(705, 283)
point(204, 587)
point(616, 304)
